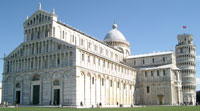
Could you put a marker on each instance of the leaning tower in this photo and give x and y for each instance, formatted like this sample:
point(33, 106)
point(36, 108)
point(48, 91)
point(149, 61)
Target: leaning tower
point(186, 61)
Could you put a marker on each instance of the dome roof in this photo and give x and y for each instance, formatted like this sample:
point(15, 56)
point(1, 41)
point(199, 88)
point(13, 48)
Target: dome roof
point(114, 35)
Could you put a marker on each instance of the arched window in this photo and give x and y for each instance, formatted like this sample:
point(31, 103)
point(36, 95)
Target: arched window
point(163, 72)
point(158, 74)
point(40, 18)
point(18, 85)
point(59, 47)
point(83, 57)
point(88, 59)
point(163, 59)
point(58, 61)
point(92, 80)
point(118, 84)
point(145, 74)
point(33, 20)
point(56, 83)
point(151, 73)
point(36, 77)
point(102, 82)
point(148, 89)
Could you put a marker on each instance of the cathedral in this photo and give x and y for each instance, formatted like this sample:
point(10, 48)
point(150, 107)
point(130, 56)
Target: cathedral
point(60, 65)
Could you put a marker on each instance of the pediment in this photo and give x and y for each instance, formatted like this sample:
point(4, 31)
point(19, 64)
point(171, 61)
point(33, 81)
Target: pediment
point(38, 17)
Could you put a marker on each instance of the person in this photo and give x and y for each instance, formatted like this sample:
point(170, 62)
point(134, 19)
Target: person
point(81, 103)
point(100, 104)
point(6, 104)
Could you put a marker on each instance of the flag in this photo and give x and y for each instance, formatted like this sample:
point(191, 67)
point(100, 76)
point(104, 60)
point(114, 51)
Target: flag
point(184, 27)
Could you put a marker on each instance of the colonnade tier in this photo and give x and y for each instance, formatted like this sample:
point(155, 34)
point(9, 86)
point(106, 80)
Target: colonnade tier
point(37, 32)
point(180, 55)
point(52, 60)
point(45, 45)
point(189, 63)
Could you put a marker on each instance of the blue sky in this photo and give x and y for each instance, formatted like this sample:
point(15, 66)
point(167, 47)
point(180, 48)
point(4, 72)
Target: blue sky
point(149, 25)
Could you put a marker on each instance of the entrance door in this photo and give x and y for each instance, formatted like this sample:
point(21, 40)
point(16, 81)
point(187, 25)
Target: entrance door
point(56, 96)
point(160, 97)
point(17, 97)
point(36, 94)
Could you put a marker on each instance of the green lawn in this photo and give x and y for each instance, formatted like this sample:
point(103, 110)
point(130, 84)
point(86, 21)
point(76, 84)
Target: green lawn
point(155, 108)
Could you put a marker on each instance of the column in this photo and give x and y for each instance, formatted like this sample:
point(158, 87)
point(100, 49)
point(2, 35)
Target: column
point(67, 62)
point(33, 63)
point(49, 46)
point(52, 46)
point(45, 61)
point(68, 59)
point(48, 61)
point(62, 59)
point(28, 49)
point(100, 86)
point(9, 66)
point(38, 63)
point(35, 34)
point(24, 36)
point(35, 48)
point(29, 62)
point(50, 30)
point(95, 85)
point(42, 47)
point(24, 65)
point(105, 85)
point(84, 89)
point(56, 61)
point(16, 67)
point(12, 67)
point(41, 62)
point(60, 56)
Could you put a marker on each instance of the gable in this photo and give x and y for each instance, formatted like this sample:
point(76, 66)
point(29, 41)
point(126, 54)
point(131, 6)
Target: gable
point(37, 18)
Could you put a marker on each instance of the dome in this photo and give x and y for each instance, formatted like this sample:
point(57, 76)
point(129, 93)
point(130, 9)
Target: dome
point(114, 35)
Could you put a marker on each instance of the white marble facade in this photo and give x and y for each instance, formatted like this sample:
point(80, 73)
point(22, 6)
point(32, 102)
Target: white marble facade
point(58, 64)
point(186, 60)
point(158, 80)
